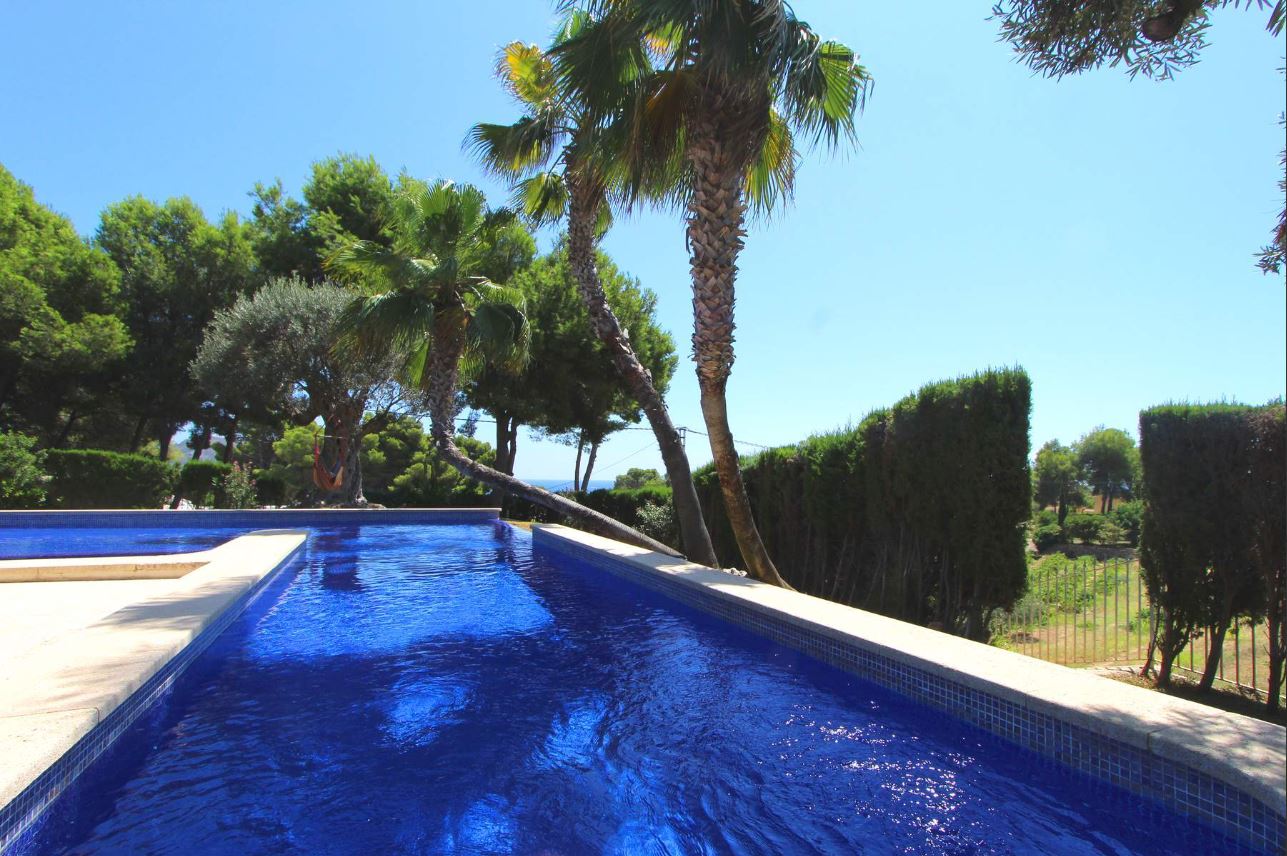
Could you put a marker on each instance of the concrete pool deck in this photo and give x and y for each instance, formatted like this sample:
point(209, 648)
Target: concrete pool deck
point(1198, 760)
point(57, 693)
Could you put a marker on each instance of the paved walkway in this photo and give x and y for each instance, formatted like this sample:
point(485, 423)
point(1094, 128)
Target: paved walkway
point(32, 613)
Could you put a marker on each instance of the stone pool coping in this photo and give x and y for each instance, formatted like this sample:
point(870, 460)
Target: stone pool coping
point(1043, 706)
point(228, 517)
point(162, 567)
point(56, 701)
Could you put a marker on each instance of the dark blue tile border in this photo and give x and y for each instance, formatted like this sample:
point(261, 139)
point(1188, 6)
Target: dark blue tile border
point(20, 819)
point(265, 519)
point(1186, 791)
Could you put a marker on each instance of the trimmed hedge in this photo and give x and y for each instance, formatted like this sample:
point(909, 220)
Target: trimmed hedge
point(201, 482)
point(1208, 472)
point(94, 478)
point(918, 513)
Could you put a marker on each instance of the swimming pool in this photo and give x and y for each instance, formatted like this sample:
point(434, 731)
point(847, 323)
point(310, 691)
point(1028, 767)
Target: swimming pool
point(451, 689)
point(61, 542)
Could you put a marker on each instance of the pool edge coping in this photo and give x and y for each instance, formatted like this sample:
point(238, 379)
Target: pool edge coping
point(63, 690)
point(103, 568)
point(1244, 753)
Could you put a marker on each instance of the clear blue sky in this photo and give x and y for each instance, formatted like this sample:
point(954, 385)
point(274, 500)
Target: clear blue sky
point(1097, 231)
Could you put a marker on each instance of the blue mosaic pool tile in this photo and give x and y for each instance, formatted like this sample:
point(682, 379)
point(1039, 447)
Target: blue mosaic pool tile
point(20, 819)
point(1185, 791)
point(266, 518)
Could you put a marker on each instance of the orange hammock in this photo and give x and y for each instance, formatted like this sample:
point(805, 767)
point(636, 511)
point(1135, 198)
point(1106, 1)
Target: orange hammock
point(329, 480)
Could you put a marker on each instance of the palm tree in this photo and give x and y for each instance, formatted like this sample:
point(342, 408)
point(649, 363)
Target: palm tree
point(560, 167)
point(720, 86)
point(428, 293)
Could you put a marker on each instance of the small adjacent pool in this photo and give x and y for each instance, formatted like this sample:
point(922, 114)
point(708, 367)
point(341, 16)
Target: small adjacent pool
point(449, 689)
point(64, 542)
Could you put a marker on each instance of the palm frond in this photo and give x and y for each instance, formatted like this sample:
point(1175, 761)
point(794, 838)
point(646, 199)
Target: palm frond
point(823, 85)
point(401, 319)
point(771, 177)
point(513, 149)
point(369, 261)
point(598, 62)
point(543, 197)
point(528, 74)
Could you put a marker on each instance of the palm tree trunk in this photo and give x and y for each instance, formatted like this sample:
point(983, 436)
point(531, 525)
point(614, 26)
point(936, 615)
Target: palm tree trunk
point(582, 216)
point(441, 374)
point(716, 212)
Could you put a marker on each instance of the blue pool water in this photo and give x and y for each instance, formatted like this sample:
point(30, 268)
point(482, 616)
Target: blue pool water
point(449, 690)
point(60, 542)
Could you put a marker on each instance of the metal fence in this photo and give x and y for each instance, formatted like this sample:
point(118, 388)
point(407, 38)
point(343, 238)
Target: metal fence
point(1084, 612)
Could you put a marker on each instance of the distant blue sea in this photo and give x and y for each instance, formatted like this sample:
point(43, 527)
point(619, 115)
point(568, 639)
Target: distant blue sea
point(566, 484)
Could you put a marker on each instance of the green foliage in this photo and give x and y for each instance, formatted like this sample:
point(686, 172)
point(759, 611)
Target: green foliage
point(238, 488)
point(917, 513)
point(200, 482)
point(1109, 463)
point(1047, 535)
point(93, 478)
point(1059, 37)
point(431, 279)
point(344, 201)
point(1156, 39)
point(1087, 528)
point(270, 487)
point(658, 521)
point(293, 463)
point(570, 385)
point(1268, 497)
point(648, 509)
point(22, 472)
point(1056, 479)
point(388, 454)
point(1200, 519)
point(59, 330)
point(273, 356)
point(637, 477)
point(429, 481)
point(1127, 517)
point(177, 270)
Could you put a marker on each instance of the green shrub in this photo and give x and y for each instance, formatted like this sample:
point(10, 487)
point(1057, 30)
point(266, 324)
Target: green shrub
point(658, 522)
point(93, 478)
point(1086, 528)
point(1127, 516)
point(1045, 517)
point(238, 488)
point(648, 509)
point(1047, 536)
point(201, 483)
point(22, 472)
point(270, 487)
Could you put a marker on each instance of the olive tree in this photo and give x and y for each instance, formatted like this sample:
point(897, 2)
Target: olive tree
point(273, 356)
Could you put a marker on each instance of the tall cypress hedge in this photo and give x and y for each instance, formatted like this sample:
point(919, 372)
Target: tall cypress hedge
point(917, 513)
point(1269, 549)
point(1209, 484)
